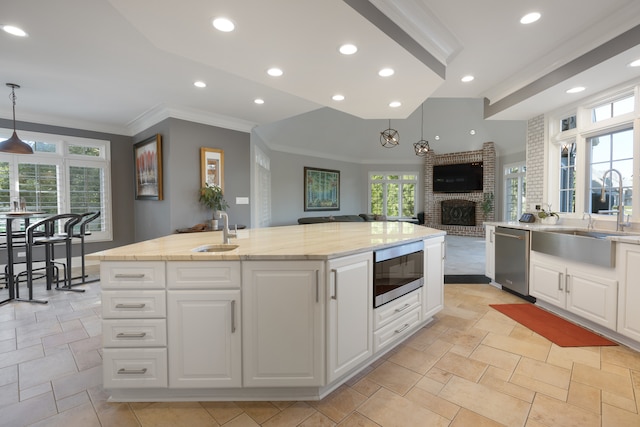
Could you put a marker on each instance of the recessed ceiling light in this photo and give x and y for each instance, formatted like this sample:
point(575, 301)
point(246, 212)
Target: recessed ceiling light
point(338, 97)
point(395, 104)
point(467, 79)
point(15, 31)
point(635, 63)
point(275, 72)
point(258, 101)
point(348, 49)
point(530, 18)
point(224, 25)
point(437, 138)
point(199, 84)
point(576, 89)
point(472, 132)
point(386, 72)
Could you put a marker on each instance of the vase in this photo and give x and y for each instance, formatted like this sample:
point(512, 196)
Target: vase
point(550, 220)
point(214, 224)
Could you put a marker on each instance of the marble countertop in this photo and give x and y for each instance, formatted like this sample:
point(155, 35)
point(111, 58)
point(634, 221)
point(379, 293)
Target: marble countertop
point(311, 241)
point(623, 237)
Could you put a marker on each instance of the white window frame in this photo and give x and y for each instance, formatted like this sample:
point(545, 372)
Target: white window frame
point(63, 160)
point(522, 176)
point(400, 182)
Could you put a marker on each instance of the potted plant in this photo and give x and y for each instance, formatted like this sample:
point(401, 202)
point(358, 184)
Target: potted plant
point(548, 216)
point(487, 204)
point(211, 196)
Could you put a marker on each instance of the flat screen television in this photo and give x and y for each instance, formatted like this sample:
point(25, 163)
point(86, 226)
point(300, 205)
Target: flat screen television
point(457, 178)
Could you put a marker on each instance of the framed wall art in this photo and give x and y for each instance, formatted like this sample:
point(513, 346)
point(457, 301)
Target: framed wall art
point(212, 166)
point(321, 189)
point(148, 163)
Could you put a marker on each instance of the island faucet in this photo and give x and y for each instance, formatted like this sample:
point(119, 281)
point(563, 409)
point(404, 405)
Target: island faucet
point(620, 223)
point(226, 233)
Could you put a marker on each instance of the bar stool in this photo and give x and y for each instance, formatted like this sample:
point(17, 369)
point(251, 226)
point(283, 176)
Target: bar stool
point(43, 233)
point(83, 231)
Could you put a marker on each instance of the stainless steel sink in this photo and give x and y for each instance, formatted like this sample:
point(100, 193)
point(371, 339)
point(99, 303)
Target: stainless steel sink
point(590, 247)
point(215, 248)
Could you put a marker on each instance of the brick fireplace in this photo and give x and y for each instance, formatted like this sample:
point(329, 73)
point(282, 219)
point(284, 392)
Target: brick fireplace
point(466, 216)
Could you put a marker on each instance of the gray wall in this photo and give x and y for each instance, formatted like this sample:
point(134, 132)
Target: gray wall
point(181, 142)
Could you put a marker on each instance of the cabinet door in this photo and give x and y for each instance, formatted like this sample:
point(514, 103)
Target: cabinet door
point(629, 293)
point(350, 305)
point(204, 339)
point(490, 251)
point(592, 297)
point(283, 323)
point(547, 281)
point(433, 300)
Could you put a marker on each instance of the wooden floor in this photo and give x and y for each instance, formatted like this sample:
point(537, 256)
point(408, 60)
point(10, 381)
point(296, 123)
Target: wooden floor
point(471, 367)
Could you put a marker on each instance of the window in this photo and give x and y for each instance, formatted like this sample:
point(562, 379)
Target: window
point(611, 151)
point(65, 174)
point(262, 189)
point(568, 177)
point(568, 123)
point(613, 109)
point(393, 194)
point(515, 190)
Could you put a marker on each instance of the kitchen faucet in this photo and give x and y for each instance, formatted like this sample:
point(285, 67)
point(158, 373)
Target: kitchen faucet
point(620, 224)
point(590, 224)
point(226, 233)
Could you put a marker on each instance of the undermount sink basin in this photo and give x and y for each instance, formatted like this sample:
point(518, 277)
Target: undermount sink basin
point(215, 248)
point(590, 247)
point(593, 234)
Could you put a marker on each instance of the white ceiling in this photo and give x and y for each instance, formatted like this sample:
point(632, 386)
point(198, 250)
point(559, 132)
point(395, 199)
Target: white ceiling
point(117, 65)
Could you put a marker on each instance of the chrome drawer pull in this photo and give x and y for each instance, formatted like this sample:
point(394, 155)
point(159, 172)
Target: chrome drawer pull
point(406, 325)
point(129, 276)
point(132, 371)
point(134, 335)
point(141, 305)
point(403, 308)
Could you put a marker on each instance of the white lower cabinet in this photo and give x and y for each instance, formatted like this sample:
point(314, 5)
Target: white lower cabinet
point(204, 324)
point(433, 288)
point(585, 290)
point(396, 319)
point(283, 318)
point(349, 313)
point(628, 262)
point(490, 252)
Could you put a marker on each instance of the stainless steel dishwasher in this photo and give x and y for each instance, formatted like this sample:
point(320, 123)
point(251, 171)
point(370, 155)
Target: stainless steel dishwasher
point(512, 259)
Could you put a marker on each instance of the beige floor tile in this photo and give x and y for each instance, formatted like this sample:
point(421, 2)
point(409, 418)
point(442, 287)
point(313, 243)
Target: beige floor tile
point(495, 380)
point(462, 367)
point(78, 416)
point(366, 387)
point(111, 413)
point(222, 412)
point(439, 375)
point(290, 417)
point(28, 393)
point(64, 338)
point(433, 403)
point(621, 356)
point(76, 382)
point(438, 348)
point(605, 381)
point(10, 358)
point(430, 385)
point(73, 401)
point(340, 403)
point(466, 418)
point(259, 411)
point(29, 411)
point(518, 345)
point(585, 397)
point(485, 401)
point(565, 357)
point(394, 377)
point(496, 326)
point(358, 420)
point(174, 414)
point(317, 420)
point(44, 369)
point(415, 360)
point(628, 404)
point(612, 416)
point(552, 412)
point(469, 338)
point(544, 372)
point(242, 420)
point(496, 357)
point(388, 409)
point(9, 394)
point(540, 386)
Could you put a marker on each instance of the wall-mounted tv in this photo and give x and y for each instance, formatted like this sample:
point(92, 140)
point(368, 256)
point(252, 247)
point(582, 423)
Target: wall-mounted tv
point(457, 178)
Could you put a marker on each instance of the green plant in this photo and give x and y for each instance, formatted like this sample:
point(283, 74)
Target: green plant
point(211, 196)
point(487, 203)
point(548, 213)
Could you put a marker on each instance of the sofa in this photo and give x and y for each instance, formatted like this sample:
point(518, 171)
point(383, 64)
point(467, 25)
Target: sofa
point(341, 218)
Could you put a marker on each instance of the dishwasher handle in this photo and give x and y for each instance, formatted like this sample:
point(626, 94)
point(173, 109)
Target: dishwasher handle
point(509, 235)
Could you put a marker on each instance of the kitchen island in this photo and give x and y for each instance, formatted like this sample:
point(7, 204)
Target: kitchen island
point(287, 314)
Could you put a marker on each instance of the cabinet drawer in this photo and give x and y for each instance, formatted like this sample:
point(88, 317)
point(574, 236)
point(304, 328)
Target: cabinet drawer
point(397, 308)
point(395, 330)
point(134, 333)
point(203, 275)
point(132, 275)
point(134, 367)
point(133, 304)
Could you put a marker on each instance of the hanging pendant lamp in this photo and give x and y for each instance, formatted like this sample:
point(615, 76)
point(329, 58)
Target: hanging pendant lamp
point(15, 144)
point(389, 138)
point(422, 147)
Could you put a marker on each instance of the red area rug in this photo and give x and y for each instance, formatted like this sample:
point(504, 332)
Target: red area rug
point(550, 326)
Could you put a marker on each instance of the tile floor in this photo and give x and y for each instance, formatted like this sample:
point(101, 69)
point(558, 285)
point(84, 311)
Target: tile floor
point(472, 366)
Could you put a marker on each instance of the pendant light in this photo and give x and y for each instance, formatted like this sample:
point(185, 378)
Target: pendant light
point(15, 144)
point(422, 147)
point(389, 138)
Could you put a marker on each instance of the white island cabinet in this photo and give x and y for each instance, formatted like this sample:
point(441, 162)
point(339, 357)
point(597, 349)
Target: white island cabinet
point(628, 261)
point(434, 254)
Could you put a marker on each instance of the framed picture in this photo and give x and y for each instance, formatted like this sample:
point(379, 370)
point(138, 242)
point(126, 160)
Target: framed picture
point(321, 189)
point(212, 166)
point(148, 163)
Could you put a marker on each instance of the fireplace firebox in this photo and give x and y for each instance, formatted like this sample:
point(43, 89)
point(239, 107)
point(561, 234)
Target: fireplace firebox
point(458, 212)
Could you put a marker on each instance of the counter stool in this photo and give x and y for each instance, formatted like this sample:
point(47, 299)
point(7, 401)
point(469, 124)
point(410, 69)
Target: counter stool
point(43, 233)
point(81, 233)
